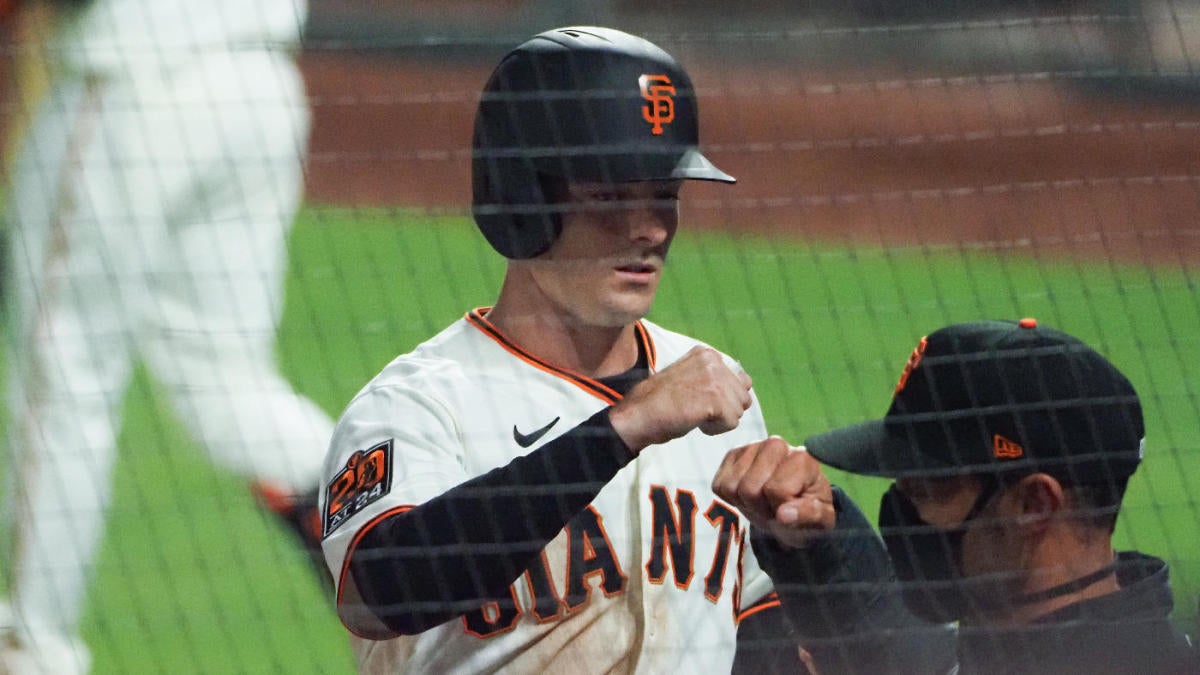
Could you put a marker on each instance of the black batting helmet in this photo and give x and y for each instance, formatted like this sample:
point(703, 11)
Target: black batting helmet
point(577, 104)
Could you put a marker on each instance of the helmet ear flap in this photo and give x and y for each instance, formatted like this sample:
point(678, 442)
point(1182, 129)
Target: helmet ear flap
point(520, 217)
point(511, 205)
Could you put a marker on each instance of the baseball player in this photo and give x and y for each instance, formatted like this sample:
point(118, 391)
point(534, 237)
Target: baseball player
point(150, 204)
point(530, 489)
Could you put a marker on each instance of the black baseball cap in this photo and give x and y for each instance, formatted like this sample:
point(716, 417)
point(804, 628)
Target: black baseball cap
point(994, 397)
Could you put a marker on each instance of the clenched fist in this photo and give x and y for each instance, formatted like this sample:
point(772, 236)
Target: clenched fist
point(698, 391)
point(781, 489)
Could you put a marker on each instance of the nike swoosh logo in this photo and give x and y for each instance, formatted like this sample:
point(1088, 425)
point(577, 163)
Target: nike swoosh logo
point(526, 440)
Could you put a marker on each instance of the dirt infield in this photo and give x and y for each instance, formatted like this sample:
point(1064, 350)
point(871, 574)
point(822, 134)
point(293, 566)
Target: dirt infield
point(887, 160)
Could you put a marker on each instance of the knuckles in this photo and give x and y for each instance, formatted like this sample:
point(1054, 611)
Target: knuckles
point(760, 477)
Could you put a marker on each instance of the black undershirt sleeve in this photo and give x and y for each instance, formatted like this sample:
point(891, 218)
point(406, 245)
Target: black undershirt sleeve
point(425, 566)
point(841, 597)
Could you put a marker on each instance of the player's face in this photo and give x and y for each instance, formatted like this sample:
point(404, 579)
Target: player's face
point(604, 268)
point(941, 502)
point(946, 502)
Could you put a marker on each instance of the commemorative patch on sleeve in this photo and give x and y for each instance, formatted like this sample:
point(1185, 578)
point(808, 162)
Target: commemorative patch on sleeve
point(365, 478)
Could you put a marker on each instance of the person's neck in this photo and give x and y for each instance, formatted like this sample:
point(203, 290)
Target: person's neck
point(562, 340)
point(1054, 571)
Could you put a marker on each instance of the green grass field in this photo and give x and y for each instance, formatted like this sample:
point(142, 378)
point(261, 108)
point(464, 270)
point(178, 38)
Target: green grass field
point(193, 579)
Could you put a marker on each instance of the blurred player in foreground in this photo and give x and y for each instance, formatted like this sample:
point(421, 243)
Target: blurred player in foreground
point(530, 489)
point(149, 208)
point(1011, 445)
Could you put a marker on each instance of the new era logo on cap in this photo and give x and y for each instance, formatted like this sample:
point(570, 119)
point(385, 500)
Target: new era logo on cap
point(1003, 448)
point(997, 396)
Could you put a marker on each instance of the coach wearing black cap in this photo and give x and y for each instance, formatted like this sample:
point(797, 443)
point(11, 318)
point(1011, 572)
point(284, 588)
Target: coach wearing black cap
point(1011, 445)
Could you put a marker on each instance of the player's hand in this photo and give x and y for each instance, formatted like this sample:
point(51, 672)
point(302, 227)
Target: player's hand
point(697, 391)
point(781, 489)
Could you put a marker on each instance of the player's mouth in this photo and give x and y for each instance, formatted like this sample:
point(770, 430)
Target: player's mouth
point(640, 271)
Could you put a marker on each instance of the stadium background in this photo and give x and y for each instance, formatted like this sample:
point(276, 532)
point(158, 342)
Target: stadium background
point(899, 169)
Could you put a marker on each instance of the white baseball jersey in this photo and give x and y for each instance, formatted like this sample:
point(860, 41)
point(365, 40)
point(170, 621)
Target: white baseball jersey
point(116, 36)
point(626, 600)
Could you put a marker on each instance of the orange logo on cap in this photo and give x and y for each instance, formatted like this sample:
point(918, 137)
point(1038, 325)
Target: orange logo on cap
point(660, 109)
point(1005, 448)
point(913, 360)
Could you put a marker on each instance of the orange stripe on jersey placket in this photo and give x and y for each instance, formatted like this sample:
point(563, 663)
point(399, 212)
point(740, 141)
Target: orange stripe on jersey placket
point(476, 318)
point(647, 345)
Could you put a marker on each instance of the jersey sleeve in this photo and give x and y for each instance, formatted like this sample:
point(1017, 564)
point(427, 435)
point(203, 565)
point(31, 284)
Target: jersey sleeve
point(394, 447)
point(413, 539)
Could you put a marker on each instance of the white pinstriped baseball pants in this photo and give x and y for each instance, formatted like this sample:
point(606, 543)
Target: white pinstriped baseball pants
point(149, 218)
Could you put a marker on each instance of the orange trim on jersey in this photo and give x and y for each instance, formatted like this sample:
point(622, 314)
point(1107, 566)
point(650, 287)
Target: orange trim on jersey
point(354, 544)
point(560, 605)
point(768, 601)
point(648, 344)
point(665, 548)
point(495, 606)
point(610, 396)
point(722, 516)
point(586, 544)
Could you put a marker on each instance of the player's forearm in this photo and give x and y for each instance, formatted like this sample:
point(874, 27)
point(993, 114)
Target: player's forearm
point(840, 574)
point(430, 564)
point(841, 596)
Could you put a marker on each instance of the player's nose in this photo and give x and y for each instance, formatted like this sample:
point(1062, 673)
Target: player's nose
point(653, 223)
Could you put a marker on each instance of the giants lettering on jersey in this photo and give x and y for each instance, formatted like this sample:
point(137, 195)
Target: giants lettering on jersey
point(590, 555)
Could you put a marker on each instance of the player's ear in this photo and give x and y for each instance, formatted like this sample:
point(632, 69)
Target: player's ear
point(1039, 497)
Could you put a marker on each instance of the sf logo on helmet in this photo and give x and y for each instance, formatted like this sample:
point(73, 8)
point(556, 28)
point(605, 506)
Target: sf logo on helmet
point(660, 107)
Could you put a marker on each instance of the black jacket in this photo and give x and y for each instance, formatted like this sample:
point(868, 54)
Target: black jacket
point(1129, 631)
point(862, 625)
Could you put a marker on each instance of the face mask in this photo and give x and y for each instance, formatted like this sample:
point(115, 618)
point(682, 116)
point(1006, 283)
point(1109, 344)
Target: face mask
point(927, 559)
point(928, 563)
